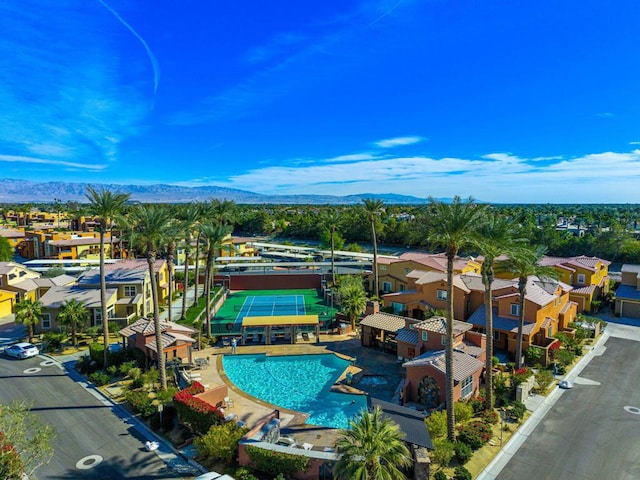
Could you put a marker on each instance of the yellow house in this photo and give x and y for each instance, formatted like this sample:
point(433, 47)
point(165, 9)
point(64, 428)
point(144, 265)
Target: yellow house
point(7, 302)
point(589, 277)
point(392, 272)
point(80, 248)
point(14, 236)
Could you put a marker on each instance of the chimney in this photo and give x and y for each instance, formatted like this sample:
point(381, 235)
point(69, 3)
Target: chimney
point(372, 307)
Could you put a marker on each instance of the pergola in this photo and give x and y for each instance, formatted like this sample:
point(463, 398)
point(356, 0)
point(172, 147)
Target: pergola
point(290, 322)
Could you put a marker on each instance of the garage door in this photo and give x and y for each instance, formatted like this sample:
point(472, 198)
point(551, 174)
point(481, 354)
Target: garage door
point(630, 309)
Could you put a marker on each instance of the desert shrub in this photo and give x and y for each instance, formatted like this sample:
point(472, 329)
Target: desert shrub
point(565, 357)
point(478, 404)
point(461, 473)
point(443, 451)
point(475, 434)
point(463, 411)
point(136, 383)
point(440, 475)
point(96, 352)
point(151, 376)
point(243, 473)
point(463, 452)
point(141, 403)
point(166, 396)
point(543, 379)
point(517, 411)
point(273, 463)
point(53, 340)
point(112, 370)
point(126, 367)
point(99, 378)
point(220, 443)
point(490, 416)
point(437, 424)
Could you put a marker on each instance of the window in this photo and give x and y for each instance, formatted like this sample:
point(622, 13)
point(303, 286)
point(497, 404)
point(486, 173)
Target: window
point(130, 290)
point(550, 331)
point(406, 271)
point(443, 339)
point(496, 335)
point(386, 286)
point(97, 316)
point(403, 287)
point(442, 294)
point(581, 279)
point(397, 307)
point(515, 309)
point(425, 336)
point(466, 387)
point(46, 321)
point(382, 267)
point(412, 326)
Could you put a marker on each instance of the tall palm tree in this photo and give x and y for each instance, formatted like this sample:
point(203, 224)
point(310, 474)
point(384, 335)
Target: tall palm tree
point(372, 208)
point(352, 298)
point(29, 313)
point(523, 263)
point(189, 215)
point(331, 221)
point(150, 223)
point(372, 449)
point(213, 234)
point(222, 211)
point(452, 226)
point(172, 235)
point(73, 314)
point(495, 238)
point(105, 205)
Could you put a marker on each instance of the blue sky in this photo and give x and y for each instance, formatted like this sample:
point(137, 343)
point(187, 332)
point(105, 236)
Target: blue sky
point(507, 101)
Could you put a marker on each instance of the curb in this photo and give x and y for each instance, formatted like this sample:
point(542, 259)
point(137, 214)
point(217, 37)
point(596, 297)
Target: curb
point(130, 418)
point(493, 469)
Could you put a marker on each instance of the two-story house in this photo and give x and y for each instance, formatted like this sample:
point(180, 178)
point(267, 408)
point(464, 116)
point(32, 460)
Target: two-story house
point(12, 273)
point(547, 310)
point(53, 300)
point(589, 277)
point(627, 303)
point(392, 272)
point(80, 248)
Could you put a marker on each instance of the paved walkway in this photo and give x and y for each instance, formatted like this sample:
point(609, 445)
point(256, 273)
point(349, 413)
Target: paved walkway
point(540, 405)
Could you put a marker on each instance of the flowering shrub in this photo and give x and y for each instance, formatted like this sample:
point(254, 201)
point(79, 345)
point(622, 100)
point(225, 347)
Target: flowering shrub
point(475, 434)
point(520, 376)
point(196, 413)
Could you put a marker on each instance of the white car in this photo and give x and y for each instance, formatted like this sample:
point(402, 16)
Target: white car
point(22, 350)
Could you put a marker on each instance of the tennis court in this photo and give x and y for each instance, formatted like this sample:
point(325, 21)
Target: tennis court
point(258, 303)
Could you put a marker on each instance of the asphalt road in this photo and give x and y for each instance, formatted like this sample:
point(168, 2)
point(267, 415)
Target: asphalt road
point(593, 431)
point(92, 442)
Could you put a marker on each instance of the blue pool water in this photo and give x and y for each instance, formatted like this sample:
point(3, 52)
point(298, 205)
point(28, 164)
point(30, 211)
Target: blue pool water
point(297, 382)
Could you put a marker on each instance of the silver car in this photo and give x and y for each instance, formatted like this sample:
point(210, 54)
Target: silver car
point(22, 350)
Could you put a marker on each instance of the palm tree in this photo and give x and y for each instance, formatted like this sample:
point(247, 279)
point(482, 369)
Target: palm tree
point(150, 223)
point(523, 263)
point(189, 215)
point(372, 207)
point(172, 235)
point(352, 298)
point(331, 221)
point(372, 449)
point(495, 238)
point(74, 314)
point(213, 234)
point(105, 205)
point(29, 313)
point(451, 226)
point(222, 211)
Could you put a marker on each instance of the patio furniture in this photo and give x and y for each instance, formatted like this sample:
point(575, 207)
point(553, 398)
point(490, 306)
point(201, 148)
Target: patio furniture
point(228, 402)
point(307, 446)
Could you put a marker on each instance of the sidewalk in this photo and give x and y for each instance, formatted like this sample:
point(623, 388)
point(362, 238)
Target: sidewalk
point(176, 305)
point(540, 405)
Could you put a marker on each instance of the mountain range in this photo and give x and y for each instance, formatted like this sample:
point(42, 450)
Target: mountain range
point(25, 191)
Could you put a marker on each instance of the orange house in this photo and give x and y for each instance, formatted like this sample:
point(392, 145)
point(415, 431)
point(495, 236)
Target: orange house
point(177, 341)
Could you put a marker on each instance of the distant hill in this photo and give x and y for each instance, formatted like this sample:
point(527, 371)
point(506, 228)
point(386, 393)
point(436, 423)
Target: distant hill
point(23, 191)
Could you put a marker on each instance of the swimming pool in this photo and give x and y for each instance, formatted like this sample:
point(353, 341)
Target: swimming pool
point(297, 382)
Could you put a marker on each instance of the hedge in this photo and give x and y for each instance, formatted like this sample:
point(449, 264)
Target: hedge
point(195, 413)
point(273, 463)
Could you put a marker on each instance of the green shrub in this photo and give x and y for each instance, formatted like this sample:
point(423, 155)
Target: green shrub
point(443, 451)
point(151, 376)
point(273, 463)
point(461, 473)
point(166, 396)
point(440, 475)
point(463, 411)
point(99, 378)
point(220, 443)
point(463, 452)
point(141, 403)
point(490, 416)
point(543, 380)
point(495, 361)
point(533, 354)
point(136, 383)
point(437, 424)
point(565, 357)
point(53, 340)
point(126, 367)
point(96, 352)
point(517, 411)
point(112, 370)
point(243, 473)
point(475, 434)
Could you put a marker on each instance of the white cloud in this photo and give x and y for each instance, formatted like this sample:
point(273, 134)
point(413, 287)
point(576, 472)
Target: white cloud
point(398, 141)
point(634, 143)
point(496, 177)
point(605, 114)
point(45, 161)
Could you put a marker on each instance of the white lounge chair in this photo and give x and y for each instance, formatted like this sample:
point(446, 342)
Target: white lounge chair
point(307, 446)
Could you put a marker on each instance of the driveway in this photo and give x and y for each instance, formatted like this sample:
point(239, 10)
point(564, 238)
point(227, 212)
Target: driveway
point(593, 431)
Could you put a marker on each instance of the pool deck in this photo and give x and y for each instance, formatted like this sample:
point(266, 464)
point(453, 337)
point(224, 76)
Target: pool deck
point(250, 409)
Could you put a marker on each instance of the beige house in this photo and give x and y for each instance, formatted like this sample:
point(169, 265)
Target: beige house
point(627, 302)
point(56, 296)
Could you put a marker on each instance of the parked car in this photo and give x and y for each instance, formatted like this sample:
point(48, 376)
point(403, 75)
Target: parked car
point(22, 350)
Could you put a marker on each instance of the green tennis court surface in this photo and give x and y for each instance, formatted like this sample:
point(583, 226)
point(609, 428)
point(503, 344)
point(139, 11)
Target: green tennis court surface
point(239, 304)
